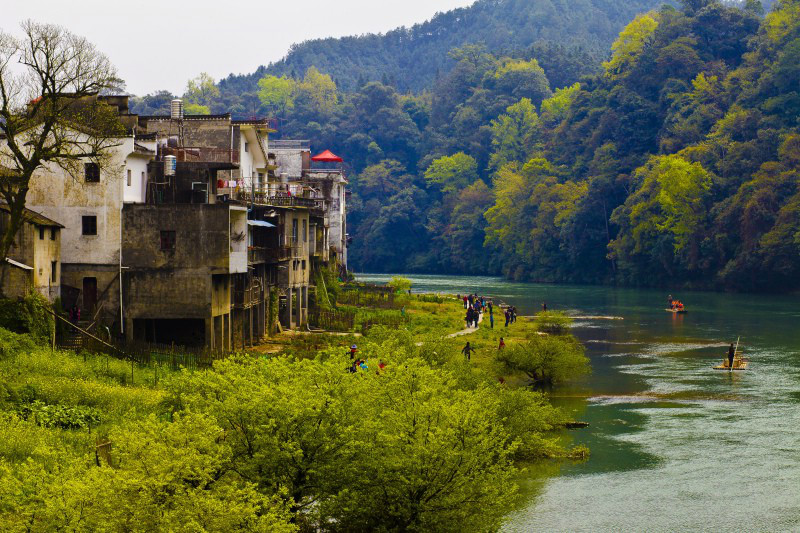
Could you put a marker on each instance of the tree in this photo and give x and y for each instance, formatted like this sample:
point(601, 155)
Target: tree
point(668, 207)
point(452, 173)
point(200, 94)
point(49, 111)
point(319, 91)
point(546, 359)
point(277, 93)
point(630, 44)
point(515, 134)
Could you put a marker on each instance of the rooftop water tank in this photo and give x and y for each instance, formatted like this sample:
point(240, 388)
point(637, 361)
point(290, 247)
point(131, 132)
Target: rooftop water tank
point(176, 109)
point(170, 164)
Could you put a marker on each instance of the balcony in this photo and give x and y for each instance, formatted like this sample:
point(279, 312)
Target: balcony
point(270, 197)
point(199, 154)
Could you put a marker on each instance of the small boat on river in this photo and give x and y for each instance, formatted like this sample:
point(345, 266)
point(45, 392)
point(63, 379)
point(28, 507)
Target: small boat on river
point(739, 361)
point(677, 311)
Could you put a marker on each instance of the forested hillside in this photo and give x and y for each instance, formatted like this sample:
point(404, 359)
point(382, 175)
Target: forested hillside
point(676, 163)
point(412, 58)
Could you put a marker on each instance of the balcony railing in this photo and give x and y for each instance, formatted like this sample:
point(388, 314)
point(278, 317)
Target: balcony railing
point(273, 198)
point(199, 154)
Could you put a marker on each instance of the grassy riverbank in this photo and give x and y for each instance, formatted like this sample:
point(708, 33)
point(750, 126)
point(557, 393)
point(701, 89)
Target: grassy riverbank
point(275, 442)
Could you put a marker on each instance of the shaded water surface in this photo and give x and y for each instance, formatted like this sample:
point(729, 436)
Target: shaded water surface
point(675, 445)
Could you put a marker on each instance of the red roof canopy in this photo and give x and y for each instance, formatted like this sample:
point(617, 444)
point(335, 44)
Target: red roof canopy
point(327, 157)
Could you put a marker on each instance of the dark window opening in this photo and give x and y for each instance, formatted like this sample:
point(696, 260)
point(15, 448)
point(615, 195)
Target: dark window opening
point(41, 233)
point(53, 271)
point(294, 231)
point(89, 225)
point(304, 264)
point(167, 240)
point(92, 172)
point(52, 234)
point(181, 331)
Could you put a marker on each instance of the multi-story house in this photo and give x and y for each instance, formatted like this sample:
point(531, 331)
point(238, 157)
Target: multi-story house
point(90, 209)
point(34, 260)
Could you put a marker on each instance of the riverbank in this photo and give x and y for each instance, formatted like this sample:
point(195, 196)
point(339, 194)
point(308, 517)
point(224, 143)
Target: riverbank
point(287, 439)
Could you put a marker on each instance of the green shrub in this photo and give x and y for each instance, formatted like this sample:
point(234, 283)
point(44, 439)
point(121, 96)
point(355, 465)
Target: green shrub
point(546, 359)
point(60, 416)
point(400, 284)
point(13, 344)
point(31, 315)
point(553, 322)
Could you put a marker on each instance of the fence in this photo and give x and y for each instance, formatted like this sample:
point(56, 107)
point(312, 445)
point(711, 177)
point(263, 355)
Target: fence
point(332, 320)
point(171, 355)
point(367, 296)
point(147, 354)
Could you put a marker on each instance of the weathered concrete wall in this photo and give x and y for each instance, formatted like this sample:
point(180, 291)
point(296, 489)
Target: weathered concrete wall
point(201, 131)
point(73, 274)
point(59, 196)
point(15, 281)
point(169, 293)
point(202, 236)
point(289, 161)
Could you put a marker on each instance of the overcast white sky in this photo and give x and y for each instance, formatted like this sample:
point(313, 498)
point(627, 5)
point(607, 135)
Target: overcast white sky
point(159, 44)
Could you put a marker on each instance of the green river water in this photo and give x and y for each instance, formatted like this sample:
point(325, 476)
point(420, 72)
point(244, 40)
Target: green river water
point(675, 445)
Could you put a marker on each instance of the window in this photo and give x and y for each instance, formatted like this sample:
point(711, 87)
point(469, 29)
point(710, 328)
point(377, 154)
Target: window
point(89, 225)
point(129, 177)
point(294, 231)
point(92, 172)
point(53, 271)
point(167, 240)
point(41, 233)
point(246, 147)
point(305, 231)
point(52, 234)
point(304, 264)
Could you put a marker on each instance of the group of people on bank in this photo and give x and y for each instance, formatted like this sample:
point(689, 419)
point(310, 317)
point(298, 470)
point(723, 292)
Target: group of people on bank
point(478, 306)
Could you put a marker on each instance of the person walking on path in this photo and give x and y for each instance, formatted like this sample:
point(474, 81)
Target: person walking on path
point(465, 302)
point(491, 317)
point(468, 318)
point(468, 350)
point(731, 355)
point(513, 314)
point(544, 307)
point(508, 316)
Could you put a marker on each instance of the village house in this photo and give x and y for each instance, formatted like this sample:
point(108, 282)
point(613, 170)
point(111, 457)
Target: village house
point(89, 206)
point(34, 260)
point(320, 177)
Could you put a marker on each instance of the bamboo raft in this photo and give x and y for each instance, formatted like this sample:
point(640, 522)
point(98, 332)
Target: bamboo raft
point(739, 362)
point(677, 311)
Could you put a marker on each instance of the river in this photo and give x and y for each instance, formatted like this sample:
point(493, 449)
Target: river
point(675, 445)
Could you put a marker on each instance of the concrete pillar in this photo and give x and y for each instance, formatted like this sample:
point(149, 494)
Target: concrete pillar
point(299, 307)
point(229, 336)
point(289, 308)
point(129, 329)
